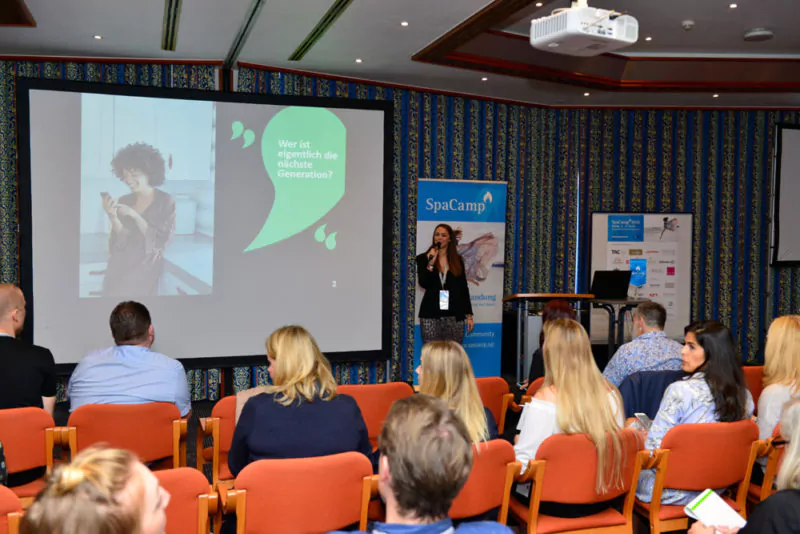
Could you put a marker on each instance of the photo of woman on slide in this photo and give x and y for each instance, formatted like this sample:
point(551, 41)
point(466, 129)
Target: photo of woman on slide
point(142, 223)
point(446, 304)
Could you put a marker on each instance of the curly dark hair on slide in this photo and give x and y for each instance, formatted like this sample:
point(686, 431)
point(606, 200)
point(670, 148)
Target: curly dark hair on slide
point(141, 157)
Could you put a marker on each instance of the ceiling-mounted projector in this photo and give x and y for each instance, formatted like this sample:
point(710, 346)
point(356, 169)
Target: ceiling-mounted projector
point(581, 30)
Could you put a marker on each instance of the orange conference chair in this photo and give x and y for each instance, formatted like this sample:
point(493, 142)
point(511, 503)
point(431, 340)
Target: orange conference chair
point(191, 502)
point(773, 450)
point(28, 436)
point(219, 427)
point(374, 401)
point(754, 376)
point(496, 397)
point(300, 495)
point(10, 510)
point(489, 484)
point(535, 386)
point(565, 471)
point(696, 457)
point(153, 431)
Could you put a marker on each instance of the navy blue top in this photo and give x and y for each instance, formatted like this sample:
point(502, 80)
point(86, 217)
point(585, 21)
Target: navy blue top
point(445, 526)
point(491, 423)
point(268, 430)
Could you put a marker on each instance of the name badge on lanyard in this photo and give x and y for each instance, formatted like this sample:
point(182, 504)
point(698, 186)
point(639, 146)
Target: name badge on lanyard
point(444, 294)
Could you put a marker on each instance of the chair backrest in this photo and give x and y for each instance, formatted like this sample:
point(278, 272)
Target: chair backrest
point(374, 401)
point(10, 507)
point(225, 410)
point(708, 455)
point(570, 473)
point(145, 429)
point(187, 511)
point(23, 433)
point(754, 377)
point(534, 386)
point(492, 389)
point(303, 495)
point(489, 481)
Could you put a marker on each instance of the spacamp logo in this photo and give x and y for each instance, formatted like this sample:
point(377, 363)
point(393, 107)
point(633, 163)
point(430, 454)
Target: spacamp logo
point(457, 205)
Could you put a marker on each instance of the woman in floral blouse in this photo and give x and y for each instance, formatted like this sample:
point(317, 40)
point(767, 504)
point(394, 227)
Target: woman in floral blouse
point(715, 391)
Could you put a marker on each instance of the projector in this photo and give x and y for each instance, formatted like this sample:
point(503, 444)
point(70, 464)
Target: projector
point(583, 31)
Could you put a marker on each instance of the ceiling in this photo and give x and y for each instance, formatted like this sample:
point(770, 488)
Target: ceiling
point(495, 31)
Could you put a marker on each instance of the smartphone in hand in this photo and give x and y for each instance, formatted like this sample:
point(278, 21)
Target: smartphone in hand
point(645, 421)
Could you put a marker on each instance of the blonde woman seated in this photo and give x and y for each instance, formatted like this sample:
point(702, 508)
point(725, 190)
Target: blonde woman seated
point(445, 372)
point(300, 415)
point(574, 399)
point(714, 391)
point(780, 512)
point(102, 491)
point(781, 377)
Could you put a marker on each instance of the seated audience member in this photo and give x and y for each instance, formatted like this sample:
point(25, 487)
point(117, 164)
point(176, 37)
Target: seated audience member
point(102, 491)
point(714, 391)
point(650, 350)
point(129, 372)
point(445, 372)
point(27, 372)
point(300, 415)
point(781, 374)
point(426, 457)
point(554, 309)
point(574, 399)
point(780, 512)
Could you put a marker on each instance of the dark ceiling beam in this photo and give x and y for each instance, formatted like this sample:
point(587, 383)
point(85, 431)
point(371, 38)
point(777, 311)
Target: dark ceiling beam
point(324, 24)
point(169, 27)
point(246, 27)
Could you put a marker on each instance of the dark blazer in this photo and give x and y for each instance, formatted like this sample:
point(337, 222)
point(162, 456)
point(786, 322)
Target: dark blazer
point(268, 430)
point(491, 423)
point(642, 392)
point(27, 373)
point(460, 305)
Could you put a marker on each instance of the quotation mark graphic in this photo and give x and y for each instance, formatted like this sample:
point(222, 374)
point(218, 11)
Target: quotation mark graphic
point(330, 241)
point(238, 130)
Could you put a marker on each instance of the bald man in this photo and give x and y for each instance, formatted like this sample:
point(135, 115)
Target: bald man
point(27, 372)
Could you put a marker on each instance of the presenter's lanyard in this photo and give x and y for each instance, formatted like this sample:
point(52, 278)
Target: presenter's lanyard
point(442, 278)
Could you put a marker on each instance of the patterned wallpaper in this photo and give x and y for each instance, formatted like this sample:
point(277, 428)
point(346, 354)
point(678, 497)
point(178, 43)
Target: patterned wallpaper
point(560, 166)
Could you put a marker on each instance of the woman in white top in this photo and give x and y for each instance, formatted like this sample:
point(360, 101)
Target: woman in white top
point(574, 399)
point(781, 376)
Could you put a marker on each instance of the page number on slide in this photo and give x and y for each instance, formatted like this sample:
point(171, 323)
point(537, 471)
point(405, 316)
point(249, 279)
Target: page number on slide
point(333, 283)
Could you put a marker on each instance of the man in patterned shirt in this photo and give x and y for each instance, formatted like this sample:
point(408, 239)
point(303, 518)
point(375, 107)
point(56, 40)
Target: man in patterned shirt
point(650, 350)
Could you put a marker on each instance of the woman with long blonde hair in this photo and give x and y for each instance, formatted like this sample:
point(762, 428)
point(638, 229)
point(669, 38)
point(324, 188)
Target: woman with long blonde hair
point(101, 491)
point(300, 415)
point(574, 399)
point(446, 372)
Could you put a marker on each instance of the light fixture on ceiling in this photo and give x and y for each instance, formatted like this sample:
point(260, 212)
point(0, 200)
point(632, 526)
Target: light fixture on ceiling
point(358, 60)
point(715, 95)
point(404, 23)
point(484, 79)
point(539, 4)
point(758, 35)
point(98, 37)
point(733, 6)
point(648, 38)
point(586, 94)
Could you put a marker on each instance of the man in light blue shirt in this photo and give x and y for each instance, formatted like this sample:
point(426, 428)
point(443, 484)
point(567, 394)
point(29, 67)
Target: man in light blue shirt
point(130, 372)
point(650, 350)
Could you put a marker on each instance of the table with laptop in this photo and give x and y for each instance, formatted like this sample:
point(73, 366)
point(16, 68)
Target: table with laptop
point(610, 290)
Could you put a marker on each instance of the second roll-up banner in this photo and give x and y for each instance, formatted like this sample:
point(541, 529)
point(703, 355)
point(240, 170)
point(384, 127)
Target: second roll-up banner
point(476, 210)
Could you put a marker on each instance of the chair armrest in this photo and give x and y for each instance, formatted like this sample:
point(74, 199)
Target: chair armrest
point(213, 501)
point(508, 400)
point(656, 458)
point(179, 433)
point(533, 467)
point(228, 500)
point(369, 490)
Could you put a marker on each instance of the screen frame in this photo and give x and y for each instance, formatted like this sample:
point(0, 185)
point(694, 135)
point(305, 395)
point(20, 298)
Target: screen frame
point(776, 204)
point(25, 214)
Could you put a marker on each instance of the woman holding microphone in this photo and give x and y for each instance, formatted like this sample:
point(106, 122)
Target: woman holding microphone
point(446, 305)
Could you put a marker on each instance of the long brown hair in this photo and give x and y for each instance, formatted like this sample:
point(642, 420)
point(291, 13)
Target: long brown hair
point(454, 260)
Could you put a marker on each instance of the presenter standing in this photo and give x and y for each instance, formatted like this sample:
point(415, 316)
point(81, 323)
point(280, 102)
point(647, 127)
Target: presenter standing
point(446, 305)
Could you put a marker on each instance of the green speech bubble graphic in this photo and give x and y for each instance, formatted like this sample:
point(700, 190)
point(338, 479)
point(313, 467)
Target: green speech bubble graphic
point(304, 153)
